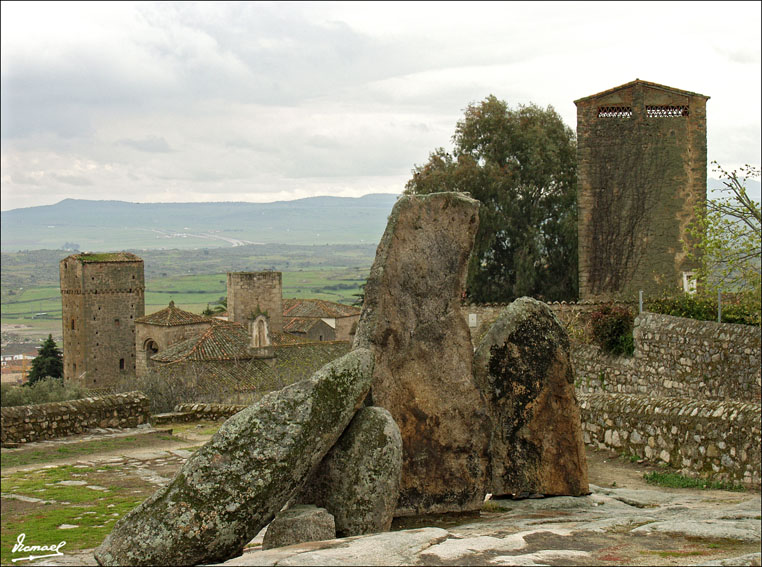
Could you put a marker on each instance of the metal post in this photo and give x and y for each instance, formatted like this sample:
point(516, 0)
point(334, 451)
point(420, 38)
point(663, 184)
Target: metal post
point(640, 302)
point(719, 306)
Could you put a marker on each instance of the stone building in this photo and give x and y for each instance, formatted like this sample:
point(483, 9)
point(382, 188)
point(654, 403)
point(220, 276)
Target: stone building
point(231, 363)
point(255, 293)
point(102, 295)
point(156, 332)
point(641, 150)
point(303, 317)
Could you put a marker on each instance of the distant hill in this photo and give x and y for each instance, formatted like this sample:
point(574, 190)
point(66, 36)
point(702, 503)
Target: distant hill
point(119, 225)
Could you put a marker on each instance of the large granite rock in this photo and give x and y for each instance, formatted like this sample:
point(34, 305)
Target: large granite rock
point(235, 484)
point(299, 524)
point(423, 355)
point(358, 481)
point(524, 370)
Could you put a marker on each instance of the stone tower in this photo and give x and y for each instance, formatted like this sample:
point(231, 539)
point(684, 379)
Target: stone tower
point(101, 296)
point(641, 150)
point(255, 293)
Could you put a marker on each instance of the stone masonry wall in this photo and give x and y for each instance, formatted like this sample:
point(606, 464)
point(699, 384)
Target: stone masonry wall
point(185, 413)
point(211, 412)
point(678, 357)
point(709, 439)
point(23, 424)
point(641, 152)
point(252, 293)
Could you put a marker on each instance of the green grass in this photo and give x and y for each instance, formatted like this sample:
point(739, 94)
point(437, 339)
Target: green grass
point(94, 512)
point(675, 480)
point(22, 457)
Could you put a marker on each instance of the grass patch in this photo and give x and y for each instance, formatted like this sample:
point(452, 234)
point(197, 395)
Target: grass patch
point(92, 512)
point(21, 457)
point(491, 506)
point(675, 480)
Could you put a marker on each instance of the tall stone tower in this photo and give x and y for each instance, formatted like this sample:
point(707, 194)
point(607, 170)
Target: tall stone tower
point(254, 293)
point(641, 150)
point(102, 295)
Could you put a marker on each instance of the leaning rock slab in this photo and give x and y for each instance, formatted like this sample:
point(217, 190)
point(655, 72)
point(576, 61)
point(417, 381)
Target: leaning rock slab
point(523, 368)
point(423, 355)
point(299, 524)
point(235, 484)
point(358, 481)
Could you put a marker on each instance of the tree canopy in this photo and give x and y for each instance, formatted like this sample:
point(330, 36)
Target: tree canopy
point(727, 235)
point(47, 363)
point(521, 165)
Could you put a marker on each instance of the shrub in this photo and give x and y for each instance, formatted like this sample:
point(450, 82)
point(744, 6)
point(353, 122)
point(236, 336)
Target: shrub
point(704, 308)
point(611, 327)
point(43, 391)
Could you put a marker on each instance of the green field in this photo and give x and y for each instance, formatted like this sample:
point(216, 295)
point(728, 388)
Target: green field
point(39, 307)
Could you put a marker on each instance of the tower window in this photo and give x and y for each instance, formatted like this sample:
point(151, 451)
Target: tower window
point(121, 364)
point(666, 111)
point(72, 324)
point(116, 322)
point(614, 111)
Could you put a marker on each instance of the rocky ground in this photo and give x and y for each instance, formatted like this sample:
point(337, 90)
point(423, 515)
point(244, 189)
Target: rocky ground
point(623, 522)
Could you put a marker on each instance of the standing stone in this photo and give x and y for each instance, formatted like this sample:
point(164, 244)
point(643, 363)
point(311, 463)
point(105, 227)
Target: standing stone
point(358, 481)
point(524, 370)
point(423, 355)
point(234, 485)
point(299, 524)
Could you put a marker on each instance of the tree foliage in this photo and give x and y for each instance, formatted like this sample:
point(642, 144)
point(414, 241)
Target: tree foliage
point(521, 165)
point(727, 236)
point(47, 363)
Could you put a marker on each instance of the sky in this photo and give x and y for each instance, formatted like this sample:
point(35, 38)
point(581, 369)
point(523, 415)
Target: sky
point(263, 101)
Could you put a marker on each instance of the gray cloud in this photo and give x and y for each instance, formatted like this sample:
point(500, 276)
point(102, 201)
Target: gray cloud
point(150, 144)
point(76, 180)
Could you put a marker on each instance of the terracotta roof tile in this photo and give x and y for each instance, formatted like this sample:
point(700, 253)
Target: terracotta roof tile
point(317, 308)
point(172, 316)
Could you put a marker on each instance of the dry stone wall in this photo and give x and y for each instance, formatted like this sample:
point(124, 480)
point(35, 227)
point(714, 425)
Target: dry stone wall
point(678, 357)
point(23, 424)
point(710, 439)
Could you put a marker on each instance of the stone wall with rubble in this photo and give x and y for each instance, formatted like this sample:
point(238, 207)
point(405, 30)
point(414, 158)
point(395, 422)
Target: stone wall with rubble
point(677, 357)
point(718, 440)
point(23, 424)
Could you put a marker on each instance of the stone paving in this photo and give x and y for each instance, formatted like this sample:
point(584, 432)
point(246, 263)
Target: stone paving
point(624, 525)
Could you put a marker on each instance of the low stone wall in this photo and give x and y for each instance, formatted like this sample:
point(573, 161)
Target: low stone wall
point(209, 412)
point(700, 438)
point(22, 424)
point(677, 357)
point(185, 413)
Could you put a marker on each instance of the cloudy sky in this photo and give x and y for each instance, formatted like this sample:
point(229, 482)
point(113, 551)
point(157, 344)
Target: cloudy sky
point(276, 101)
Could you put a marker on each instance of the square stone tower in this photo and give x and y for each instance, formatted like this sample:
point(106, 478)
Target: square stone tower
point(256, 293)
point(641, 150)
point(101, 296)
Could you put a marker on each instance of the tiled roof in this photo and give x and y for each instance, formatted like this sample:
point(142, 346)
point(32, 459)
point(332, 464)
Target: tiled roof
point(646, 83)
point(222, 341)
point(317, 308)
point(172, 316)
point(299, 324)
point(292, 364)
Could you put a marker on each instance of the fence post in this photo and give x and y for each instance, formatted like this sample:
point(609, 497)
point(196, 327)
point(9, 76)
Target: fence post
point(719, 306)
point(640, 302)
